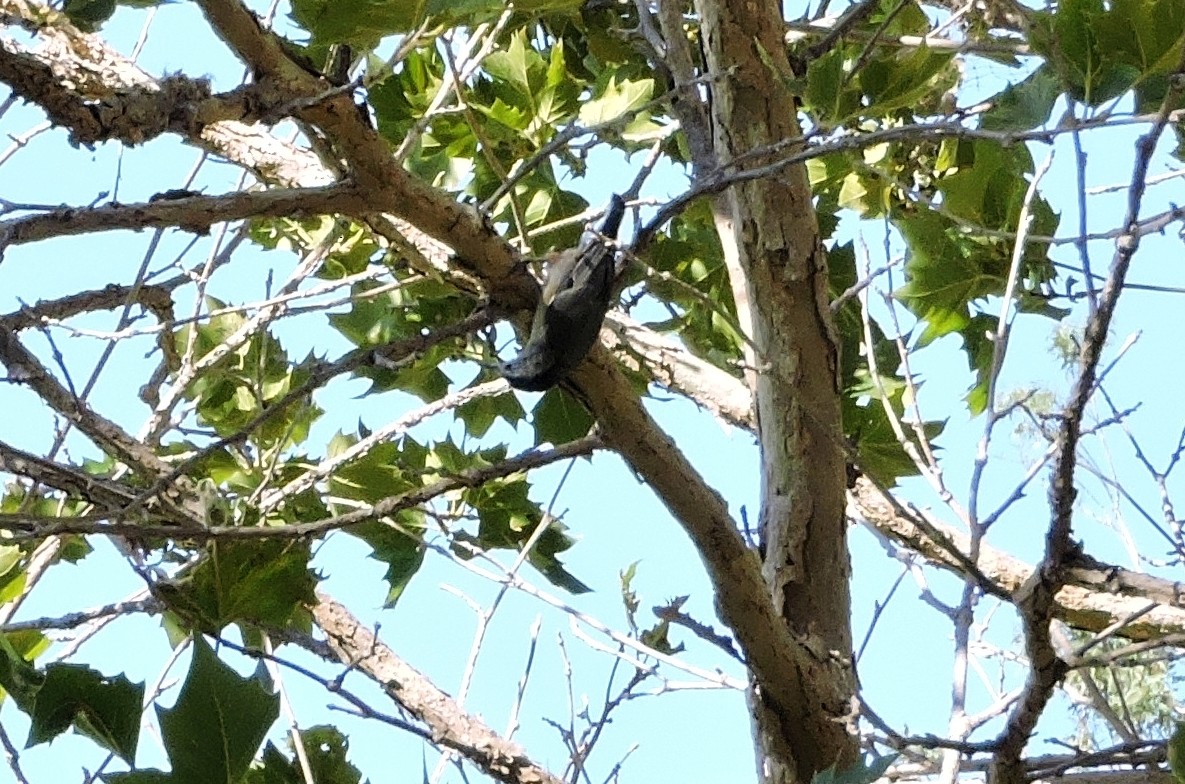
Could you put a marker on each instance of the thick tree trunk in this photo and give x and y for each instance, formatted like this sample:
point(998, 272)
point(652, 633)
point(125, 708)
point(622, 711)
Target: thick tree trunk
point(781, 270)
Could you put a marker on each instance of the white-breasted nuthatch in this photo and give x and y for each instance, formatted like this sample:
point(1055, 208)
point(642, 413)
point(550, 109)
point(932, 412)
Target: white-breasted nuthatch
point(570, 311)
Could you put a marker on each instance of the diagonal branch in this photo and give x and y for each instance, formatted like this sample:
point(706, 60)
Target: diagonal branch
point(96, 72)
point(23, 367)
point(626, 424)
point(104, 494)
point(670, 364)
point(359, 648)
point(776, 659)
point(392, 353)
point(1095, 595)
point(389, 187)
point(733, 567)
point(157, 299)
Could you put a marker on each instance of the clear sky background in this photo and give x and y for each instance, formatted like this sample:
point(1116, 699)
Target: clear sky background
point(690, 736)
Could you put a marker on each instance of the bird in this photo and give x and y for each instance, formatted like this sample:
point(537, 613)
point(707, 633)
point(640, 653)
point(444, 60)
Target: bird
point(572, 306)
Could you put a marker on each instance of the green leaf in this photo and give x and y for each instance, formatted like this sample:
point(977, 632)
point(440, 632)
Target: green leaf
point(617, 99)
point(1025, 105)
point(507, 519)
point(542, 6)
point(519, 67)
point(906, 81)
point(505, 512)
point(18, 677)
point(325, 748)
point(105, 709)
point(468, 12)
point(658, 637)
point(629, 597)
point(246, 381)
point(946, 272)
point(479, 414)
point(513, 117)
point(142, 777)
point(360, 22)
point(560, 418)
point(1176, 753)
point(399, 545)
point(262, 581)
point(12, 577)
point(979, 349)
point(696, 279)
point(10, 556)
point(863, 772)
point(1101, 50)
point(880, 453)
point(543, 557)
point(400, 99)
point(422, 379)
point(828, 92)
point(404, 313)
point(89, 15)
point(988, 186)
point(28, 643)
point(74, 549)
point(378, 473)
point(213, 731)
point(274, 768)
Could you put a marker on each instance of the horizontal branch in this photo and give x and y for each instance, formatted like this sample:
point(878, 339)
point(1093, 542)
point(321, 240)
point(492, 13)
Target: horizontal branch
point(195, 213)
point(390, 354)
point(774, 159)
point(23, 527)
point(801, 31)
point(148, 605)
point(1094, 596)
point(158, 299)
point(104, 494)
point(271, 499)
point(1128, 763)
point(176, 104)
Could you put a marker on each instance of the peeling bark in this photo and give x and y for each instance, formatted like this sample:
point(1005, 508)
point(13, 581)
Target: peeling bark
point(797, 391)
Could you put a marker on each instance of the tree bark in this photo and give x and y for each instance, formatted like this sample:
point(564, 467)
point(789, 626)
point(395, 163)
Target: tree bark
point(796, 389)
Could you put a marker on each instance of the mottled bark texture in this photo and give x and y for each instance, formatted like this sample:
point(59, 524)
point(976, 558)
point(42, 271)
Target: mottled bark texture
point(796, 389)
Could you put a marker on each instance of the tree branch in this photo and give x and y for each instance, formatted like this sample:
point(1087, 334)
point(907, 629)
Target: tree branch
point(389, 187)
point(1095, 595)
point(25, 368)
point(26, 527)
point(157, 299)
point(359, 648)
point(193, 213)
point(176, 104)
point(1036, 599)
